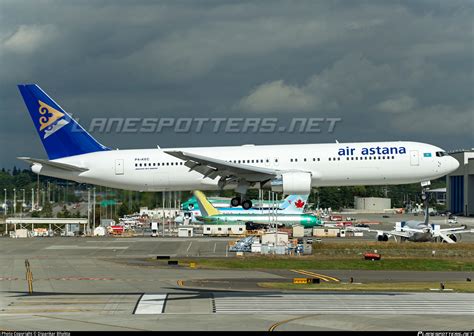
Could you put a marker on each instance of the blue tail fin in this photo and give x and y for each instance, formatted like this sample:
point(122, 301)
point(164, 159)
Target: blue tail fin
point(61, 135)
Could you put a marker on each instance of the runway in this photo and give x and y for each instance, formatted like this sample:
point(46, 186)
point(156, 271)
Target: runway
point(89, 284)
point(329, 303)
point(195, 310)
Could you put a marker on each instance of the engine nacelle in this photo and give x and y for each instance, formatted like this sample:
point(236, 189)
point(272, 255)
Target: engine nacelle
point(292, 183)
point(454, 237)
point(382, 237)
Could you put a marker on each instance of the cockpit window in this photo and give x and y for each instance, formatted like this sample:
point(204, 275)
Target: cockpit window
point(439, 154)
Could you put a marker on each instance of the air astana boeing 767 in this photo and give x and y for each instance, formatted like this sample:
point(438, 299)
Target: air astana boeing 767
point(73, 154)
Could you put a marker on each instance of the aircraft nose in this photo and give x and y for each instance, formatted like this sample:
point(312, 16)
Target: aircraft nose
point(453, 164)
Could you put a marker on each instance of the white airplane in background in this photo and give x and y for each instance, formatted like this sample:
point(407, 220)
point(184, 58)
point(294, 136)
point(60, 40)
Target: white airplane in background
point(416, 231)
point(419, 231)
point(291, 169)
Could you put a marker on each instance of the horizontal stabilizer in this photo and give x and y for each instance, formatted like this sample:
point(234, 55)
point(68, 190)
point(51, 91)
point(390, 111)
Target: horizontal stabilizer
point(53, 164)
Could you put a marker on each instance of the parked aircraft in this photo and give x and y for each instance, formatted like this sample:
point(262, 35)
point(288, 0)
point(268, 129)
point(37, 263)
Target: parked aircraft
point(211, 215)
point(292, 204)
point(420, 231)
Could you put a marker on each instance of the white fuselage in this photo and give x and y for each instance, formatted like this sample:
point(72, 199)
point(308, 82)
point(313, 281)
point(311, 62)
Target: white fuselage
point(335, 164)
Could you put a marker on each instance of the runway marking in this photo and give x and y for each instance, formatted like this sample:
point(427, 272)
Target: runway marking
point(80, 278)
point(215, 245)
point(187, 250)
point(325, 303)
point(88, 322)
point(76, 247)
point(326, 278)
point(151, 304)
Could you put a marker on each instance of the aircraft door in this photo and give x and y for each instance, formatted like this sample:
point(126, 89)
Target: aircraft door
point(119, 167)
point(414, 158)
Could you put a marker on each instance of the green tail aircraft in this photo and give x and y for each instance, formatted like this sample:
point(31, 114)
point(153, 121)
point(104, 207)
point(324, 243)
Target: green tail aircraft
point(211, 215)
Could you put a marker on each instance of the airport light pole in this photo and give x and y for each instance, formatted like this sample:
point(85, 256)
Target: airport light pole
point(5, 206)
point(274, 221)
point(22, 203)
point(33, 199)
point(163, 200)
point(14, 202)
point(88, 210)
point(93, 210)
point(37, 190)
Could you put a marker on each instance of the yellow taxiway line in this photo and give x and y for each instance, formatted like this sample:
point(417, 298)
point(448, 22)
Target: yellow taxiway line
point(323, 277)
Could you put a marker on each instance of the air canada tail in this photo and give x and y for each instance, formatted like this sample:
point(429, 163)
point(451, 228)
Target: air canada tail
point(294, 203)
point(61, 135)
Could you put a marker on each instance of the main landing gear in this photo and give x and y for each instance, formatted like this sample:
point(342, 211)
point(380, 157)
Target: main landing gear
point(236, 201)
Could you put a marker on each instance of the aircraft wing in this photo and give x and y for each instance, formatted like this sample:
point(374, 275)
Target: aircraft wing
point(379, 232)
point(390, 233)
point(407, 229)
point(53, 164)
point(212, 168)
point(462, 229)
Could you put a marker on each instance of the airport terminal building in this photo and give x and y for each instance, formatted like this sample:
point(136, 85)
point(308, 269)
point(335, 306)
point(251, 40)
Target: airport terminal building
point(460, 184)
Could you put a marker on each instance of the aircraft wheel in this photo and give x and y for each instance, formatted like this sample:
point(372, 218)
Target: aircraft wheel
point(247, 204)
point(235, 201)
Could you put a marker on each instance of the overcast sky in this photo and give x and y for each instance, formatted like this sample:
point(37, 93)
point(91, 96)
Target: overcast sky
point(391, 70)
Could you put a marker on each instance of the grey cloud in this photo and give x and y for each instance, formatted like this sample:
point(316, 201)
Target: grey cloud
point(364, 61)
point(396, 105)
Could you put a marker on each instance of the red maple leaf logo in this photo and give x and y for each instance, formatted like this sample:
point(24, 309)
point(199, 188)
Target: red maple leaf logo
point(299, 203)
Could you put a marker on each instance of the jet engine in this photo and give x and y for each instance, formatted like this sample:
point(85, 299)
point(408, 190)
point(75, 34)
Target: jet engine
point(292, 183)
point(382, 237)
point(455, 237)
